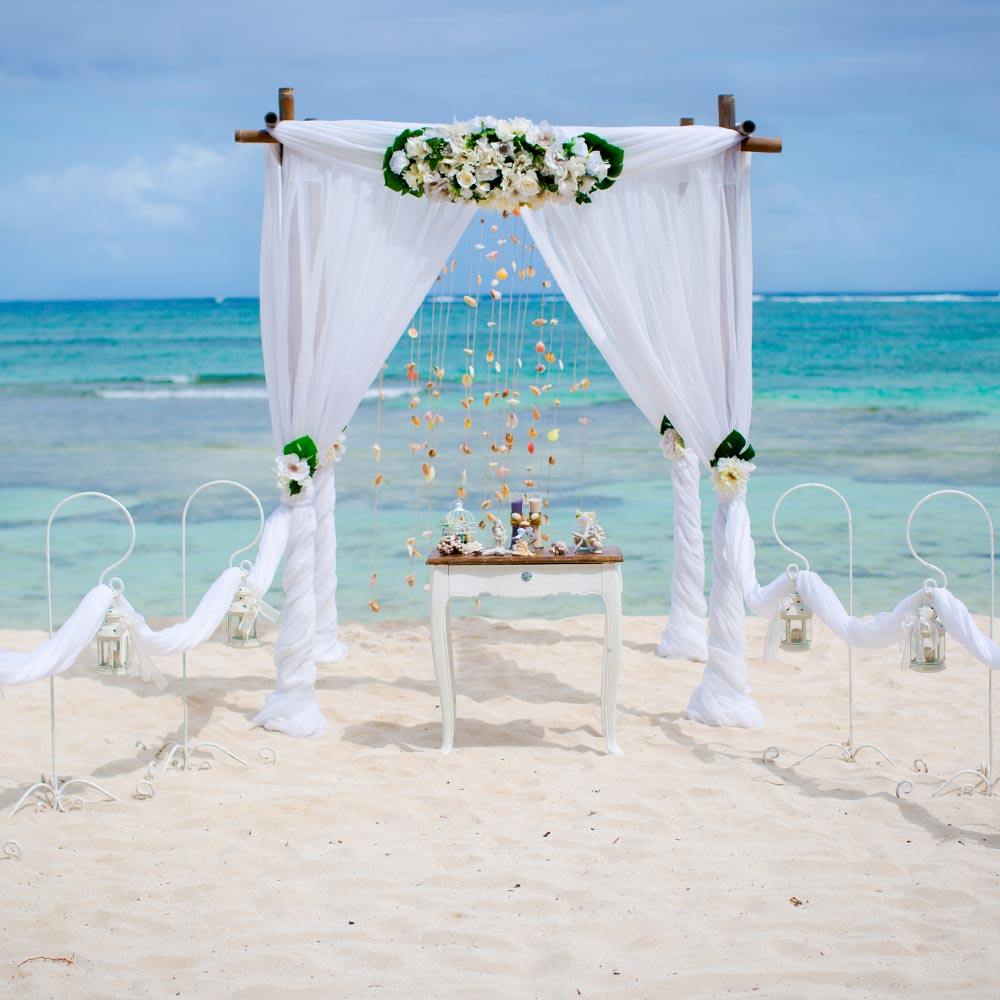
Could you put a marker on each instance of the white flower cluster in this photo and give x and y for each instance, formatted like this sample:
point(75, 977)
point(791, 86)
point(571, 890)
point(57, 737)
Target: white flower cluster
point(291, 469)
point(671, 444)
point(730, 477)
point(498, 163)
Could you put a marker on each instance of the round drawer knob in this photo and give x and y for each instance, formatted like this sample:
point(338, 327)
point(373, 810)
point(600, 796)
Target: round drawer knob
point(526, 576)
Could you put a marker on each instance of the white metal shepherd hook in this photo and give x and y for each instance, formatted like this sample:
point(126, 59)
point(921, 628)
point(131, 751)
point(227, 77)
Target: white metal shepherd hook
point(179, 753)
point(983, 774)
point(52, 791)
point(848, 750)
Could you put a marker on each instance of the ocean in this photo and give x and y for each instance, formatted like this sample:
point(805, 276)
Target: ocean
point(885, 397)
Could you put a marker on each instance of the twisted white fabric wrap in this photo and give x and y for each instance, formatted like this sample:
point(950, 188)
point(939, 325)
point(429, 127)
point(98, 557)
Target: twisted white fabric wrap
point(329, 648)
point(723, 696)
point(684, 636)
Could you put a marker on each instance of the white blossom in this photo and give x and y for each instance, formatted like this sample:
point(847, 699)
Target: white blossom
point(730, 477)
point(398, 162)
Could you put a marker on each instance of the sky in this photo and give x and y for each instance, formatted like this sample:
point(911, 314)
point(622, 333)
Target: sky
point(120, 177)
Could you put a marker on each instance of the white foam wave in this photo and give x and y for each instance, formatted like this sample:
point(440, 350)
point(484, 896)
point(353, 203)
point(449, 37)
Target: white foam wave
point(876, 297)
point(221, 392)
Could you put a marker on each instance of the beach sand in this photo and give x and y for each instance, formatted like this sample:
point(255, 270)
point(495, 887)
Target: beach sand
point(526, 863)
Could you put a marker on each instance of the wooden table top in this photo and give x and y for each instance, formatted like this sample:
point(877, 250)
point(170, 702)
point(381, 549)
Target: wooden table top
point(609, 554)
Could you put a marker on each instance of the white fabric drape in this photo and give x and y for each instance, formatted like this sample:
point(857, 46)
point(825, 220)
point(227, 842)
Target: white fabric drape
point(345, 263)
point(684, 636)
point(659, 272)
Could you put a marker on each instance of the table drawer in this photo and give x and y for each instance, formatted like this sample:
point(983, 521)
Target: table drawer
point(528, 581)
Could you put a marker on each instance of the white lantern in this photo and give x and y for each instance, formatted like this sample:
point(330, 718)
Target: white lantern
point(927, 639)
point(113, 642)
point(241, 620)
point(796, 625)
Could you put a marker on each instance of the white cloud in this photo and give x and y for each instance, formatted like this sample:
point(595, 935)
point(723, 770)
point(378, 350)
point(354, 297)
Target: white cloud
point(137, 194)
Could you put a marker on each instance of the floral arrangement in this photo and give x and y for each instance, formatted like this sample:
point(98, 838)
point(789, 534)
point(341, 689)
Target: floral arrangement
point(731, 466)
point(296, 464)
point(500, 163)
point(671, 443)
point(300, 460)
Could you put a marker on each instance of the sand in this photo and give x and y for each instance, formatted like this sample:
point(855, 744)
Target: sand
point(525, 864)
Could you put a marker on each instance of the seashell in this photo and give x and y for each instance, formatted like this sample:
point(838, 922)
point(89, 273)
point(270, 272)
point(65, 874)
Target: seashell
point(460, 493)
point(486, 504)
point(432, 452)
point(492, 255)
point(531, 447)
point(438, 373)
point(413, 333)
point(373, 579)
point(514, 239)
point(414, 402)
point(532, 433)
point(495, 295)
point(496, 368)
point(491, 323)
point(416, 446)
point(560, 364)
point(449, 545)
point(535, 391)
point(550, 357)
point(412, 374)
point(539, 322)
point(553, 435)
point(531, 270)
point(511, 419)
point(539, 368)
point(557, 401)
point(536, 413)
point(479, 246)
point(470, 301)
point(415, 420)
point(502, 273)
point(558, 549)
point(410, 581)
point(508, 438)
point(553, 322)
point(468, 350)
point(584, 420)
point(377, 451)
point(552, 459)
point(467, 379)
point(528, 483)
point(428, 471)
point(540, 347)
point(518, 362)
point(472, 549)
point(465, 448)
point(468, 423)
point(546, 283)
point(490, 357)
point(487, 398)
point(374, 605)
point(585, 383)
point(494, 228)
point(379, 479)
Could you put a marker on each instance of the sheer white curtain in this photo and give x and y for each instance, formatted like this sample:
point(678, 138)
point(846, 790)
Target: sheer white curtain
point(345, 263)
point(659, 271)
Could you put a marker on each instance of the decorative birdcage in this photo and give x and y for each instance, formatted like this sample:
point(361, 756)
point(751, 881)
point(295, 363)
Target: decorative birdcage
point(927, 639)
point(113, 642)
point(796, 625)
point(458, 521)
point(241, 619)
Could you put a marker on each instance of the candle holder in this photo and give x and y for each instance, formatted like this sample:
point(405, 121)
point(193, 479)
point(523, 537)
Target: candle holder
point(179, 754)
point(796, 634)
point(52, 791)
point(927, 647)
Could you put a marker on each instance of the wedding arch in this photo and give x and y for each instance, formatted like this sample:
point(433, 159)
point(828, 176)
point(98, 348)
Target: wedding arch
point(659, 272)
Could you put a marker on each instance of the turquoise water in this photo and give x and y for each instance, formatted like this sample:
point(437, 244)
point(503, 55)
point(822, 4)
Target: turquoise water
point(884, 397)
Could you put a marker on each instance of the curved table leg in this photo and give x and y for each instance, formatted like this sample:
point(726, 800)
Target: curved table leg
point(440, 647)
point(612, 594)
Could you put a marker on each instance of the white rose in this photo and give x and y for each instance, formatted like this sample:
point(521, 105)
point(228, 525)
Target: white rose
point(465, 178)
point(412, 177)
point(415, 147)
point(527, 184)
point(398, 162)
point(579, 147)
point(486, 174)
point(504, 131)
point(596, 166)
point(521, 125)
point(587, 184)
point(577, 167)
point(730, 477)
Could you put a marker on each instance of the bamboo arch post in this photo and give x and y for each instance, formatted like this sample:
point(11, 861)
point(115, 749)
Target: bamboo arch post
point(53, 792)
point(848, 750)
point(984, 773)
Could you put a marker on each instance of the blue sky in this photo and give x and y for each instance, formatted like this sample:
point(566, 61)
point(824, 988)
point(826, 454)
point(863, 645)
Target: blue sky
point(120, 177)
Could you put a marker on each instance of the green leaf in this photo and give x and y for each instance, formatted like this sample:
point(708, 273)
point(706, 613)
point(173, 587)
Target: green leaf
point(306, 449)
point(734, 445)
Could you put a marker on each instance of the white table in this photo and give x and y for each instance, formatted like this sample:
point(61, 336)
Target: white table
point(598, 573)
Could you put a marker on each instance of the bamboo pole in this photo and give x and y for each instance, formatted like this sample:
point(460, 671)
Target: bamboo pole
point(727, 119)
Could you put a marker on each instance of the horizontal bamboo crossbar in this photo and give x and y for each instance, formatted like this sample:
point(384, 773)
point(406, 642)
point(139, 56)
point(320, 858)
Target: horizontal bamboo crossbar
point(727, 119)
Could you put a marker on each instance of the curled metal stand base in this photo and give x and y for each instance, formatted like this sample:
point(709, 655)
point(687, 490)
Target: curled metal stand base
point(11, 850)
point(982, 782)
point(55, 797)
point(848, 753)
point(179, 757)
